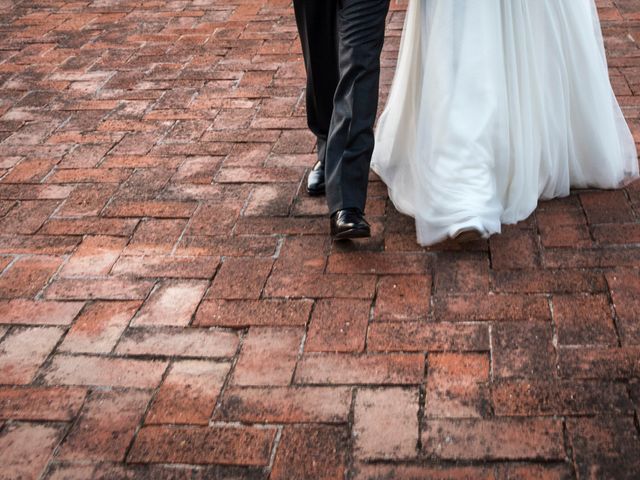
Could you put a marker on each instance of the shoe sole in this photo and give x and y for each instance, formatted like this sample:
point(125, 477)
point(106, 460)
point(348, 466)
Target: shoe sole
point(353, 233)
point(315, 193)
point(468, 236)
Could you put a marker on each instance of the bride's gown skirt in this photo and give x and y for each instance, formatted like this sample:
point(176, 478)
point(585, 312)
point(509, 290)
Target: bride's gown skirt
point(494, 105)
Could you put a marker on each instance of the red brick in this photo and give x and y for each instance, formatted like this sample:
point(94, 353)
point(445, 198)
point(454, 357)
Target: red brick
point(178, 342)
point(495, 439)
point(381, 471)
point(28, 216)
point(104, 371)
point(286, 405)
point(86, 201)
point(155, 236)
point(122, 227)
point(150, 208)
point(427, 336)
point(625, 292)
point(282, 226)
point(106, 288)
point(386, 424)
point(215, 219)
point(584, 320)
point(514, 250)
point(94, 256)
point(535, 471)
point(338, 325)
point(29, 171)
point(105, 427)
point(166, 267)
point(188, 393)
point(246, 313)
point(325, 445)
point(258, 174)
point(548, 281)
point(241, 278)
point(271, 199)
point(268, 356)
point(41, 403)
point(25, 449)
point(606, 363)
point(457, 272)
point(23, 351)
point(456, 385)
point(523, 350)
point(623, 234)
point(606, 447)
point(336, 369)
point(378, 263)
point(606, 207)
point(502, 307)
point(402, 297)
point(33, 312)
point(89, 175)
point(315, 285)
point(37, 244)
point(27, 276)
point(99, 327)
point(542, 397)
point(591, 258)
point(226, 445)
point(226, 246)
point(172, 303)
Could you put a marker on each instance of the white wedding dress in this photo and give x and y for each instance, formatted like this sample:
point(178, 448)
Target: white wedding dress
point(494, 105)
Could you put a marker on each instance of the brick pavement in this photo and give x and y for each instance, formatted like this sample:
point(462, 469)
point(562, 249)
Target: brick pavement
point(171, 307)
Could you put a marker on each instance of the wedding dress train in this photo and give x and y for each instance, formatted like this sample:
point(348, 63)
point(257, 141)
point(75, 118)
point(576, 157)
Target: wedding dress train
point(496, 104)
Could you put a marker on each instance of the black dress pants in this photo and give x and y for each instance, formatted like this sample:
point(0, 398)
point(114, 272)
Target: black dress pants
point(342, 41)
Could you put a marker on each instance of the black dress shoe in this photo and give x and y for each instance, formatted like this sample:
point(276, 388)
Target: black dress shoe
point(315, 181)
point(349, 223)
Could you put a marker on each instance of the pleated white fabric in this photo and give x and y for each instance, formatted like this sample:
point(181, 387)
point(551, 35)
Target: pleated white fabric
point(496, 104)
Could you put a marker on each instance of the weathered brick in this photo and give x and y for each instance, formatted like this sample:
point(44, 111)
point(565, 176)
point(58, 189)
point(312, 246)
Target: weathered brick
point(171, 303)
point(241, 278)
point(25, 449)
point(496, 307)
point(99, 327)
point(457, 385)
point(336, 369)
point(402, 297)
point(105, 427)
point(543, 397)
point(24, 350)
point(245, 313)
point(103, 371)
point(188, 393)
point(33, 312)
point(494, 439)
point(27, 276)
point(286, 405)
point(178, 342)
point(229, 445)
point(625, 292)
point(105, 288)
point(584, 320)
point(606, 446)
point(41, 403)
point(386, 424)
point(268, 356)
point(311, 451)
point(338, 325)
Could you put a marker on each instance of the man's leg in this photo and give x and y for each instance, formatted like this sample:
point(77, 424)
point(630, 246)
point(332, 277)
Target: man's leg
point(361, 25)
point(316, 20)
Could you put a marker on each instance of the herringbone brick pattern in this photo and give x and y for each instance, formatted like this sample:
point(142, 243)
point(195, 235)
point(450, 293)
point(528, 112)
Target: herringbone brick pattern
point(171, 306)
